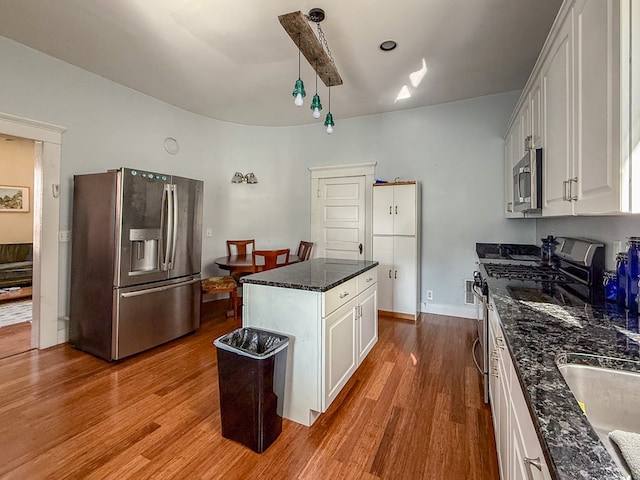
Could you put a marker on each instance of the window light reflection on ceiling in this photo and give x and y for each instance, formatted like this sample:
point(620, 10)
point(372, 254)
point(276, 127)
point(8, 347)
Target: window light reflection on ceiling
point(403, 94)
point(417, 76)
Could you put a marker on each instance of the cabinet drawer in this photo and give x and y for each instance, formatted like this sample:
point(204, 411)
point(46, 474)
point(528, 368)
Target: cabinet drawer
point(339, 295)
point(367, 279)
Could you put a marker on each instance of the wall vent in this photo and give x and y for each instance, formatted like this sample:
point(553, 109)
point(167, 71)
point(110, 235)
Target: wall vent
point(469, 297)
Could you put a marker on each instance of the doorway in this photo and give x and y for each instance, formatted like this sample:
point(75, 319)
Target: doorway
point(17, 162)
point(47, 141)
point(341, 203)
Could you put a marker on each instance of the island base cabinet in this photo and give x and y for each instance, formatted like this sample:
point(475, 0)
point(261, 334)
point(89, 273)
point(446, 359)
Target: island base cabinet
point(339, 350)
point(330, 333)
point(367, 322)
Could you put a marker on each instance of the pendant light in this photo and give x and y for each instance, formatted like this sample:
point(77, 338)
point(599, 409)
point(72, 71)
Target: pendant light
point(328, 121)
point(298, 89)
point(316, 106)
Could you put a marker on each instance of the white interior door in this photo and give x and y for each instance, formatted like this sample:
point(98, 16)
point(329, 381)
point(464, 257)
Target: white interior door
point(338, 224)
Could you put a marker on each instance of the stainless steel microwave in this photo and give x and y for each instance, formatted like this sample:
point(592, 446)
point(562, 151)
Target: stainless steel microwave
point(527, 182)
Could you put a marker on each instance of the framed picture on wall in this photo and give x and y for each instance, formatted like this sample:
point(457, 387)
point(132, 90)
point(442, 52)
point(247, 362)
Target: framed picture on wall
point(14, 199)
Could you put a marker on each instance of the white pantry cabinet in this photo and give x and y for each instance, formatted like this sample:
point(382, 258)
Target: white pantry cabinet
point(582, 111)
point(395, 208)
point(519, 451)
point(396, 246)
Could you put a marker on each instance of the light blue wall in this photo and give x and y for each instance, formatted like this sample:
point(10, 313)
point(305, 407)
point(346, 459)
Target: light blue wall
point(454, 150)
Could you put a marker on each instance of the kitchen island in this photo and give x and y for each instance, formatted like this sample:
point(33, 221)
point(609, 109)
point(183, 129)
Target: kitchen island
point(328, 308)
point(539, 336)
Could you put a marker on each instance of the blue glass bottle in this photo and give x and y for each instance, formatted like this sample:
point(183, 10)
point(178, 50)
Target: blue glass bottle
point(610, 281)
point(621, 273)
point(633, 273)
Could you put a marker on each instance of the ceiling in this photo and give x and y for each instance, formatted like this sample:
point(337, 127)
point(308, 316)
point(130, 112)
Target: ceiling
point(231, 59)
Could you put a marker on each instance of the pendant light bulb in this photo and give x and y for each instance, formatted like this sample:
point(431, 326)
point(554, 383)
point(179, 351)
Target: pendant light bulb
point(299, 93)
point(316, 106)
point(329, 123)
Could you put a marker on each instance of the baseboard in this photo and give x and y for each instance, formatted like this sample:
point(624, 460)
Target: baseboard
point(464, 311)
point(63, 330)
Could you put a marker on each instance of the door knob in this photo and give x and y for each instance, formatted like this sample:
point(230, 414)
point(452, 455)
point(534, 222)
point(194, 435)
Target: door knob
point(360, 248)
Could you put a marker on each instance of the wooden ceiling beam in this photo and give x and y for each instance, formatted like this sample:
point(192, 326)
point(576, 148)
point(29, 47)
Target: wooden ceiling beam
point(298, 28)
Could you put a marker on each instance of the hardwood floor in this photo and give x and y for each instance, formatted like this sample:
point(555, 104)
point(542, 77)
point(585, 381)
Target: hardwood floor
point(15, 339)
point(413, 410)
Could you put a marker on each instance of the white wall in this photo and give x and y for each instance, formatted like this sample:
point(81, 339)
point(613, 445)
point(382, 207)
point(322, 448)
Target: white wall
point(454, 150)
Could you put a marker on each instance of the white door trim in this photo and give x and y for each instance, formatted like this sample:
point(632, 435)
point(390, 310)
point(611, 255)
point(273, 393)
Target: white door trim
point(46, 216)
point(350, 170)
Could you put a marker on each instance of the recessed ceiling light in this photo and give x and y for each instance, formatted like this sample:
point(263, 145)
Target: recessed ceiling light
point(388, 45)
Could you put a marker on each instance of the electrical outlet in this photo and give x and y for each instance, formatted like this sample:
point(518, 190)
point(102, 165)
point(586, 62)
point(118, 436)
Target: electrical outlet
point(209, 232)
point(429, 294)
point(65, 235)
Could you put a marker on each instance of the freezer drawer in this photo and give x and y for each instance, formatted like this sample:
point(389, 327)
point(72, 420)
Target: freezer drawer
point(147, 317)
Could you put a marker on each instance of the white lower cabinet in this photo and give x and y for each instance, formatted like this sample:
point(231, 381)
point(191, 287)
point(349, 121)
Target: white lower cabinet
point(331, 334)
point(519, 452)
point(339, 350)
point(398, 278)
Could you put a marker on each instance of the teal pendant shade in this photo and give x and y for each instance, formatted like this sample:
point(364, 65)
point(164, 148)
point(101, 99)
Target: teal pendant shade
point(316, 106)
point(298, 92)
point(329, 123)
point(329, 120)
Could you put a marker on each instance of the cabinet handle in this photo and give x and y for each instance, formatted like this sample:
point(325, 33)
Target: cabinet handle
point(389, 273)
point(369, 279)
point(573, 198)
point(490, 306)
point(395, 275)
point(396, 209)
point(500, 342)
point(390, 211)
point(528, 463)
point(495, 372)
point(565, 195)
point(344, 294)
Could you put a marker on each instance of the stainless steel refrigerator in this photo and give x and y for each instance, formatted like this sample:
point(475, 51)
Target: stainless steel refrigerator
point(135, 261)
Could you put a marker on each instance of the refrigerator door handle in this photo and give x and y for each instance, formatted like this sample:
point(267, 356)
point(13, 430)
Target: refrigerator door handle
point(174, 225)
point(166, 226)
point(146, 291)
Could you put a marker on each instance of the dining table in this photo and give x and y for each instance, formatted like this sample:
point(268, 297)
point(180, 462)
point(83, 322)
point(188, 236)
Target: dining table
point(244, 263)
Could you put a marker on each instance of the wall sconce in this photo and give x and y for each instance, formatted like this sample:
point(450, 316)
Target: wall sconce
point(248, 178)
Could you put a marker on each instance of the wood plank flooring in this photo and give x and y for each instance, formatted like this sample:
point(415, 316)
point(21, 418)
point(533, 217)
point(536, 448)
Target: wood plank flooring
point(413, 410)
point(15, 339)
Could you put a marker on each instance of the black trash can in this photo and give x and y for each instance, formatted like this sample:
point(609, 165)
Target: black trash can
point(251, 374)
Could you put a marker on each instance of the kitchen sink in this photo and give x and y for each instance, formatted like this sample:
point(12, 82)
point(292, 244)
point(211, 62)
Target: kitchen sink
point(608, 391)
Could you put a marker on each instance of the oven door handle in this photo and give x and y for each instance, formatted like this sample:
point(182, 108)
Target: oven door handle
point(473, 354)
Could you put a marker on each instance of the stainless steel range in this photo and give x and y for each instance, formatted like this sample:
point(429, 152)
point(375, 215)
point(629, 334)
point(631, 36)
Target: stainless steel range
point(574, 277)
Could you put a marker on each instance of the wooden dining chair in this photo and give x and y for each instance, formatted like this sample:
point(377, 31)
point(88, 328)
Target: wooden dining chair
point(304, 250)
point(272, 259)
point(240, 247)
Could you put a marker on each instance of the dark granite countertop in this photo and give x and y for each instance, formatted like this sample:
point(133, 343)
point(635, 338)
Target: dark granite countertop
point(535, 334)
point(317, 275)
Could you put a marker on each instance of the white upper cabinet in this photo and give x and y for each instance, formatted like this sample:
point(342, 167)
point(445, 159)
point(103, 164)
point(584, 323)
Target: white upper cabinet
point(557, 122)
point(394, 209)
point(582, 112)
point(596, 88)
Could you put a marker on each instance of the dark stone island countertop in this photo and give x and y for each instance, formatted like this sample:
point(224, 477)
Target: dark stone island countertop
point(317, 275)
point(536, 334)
